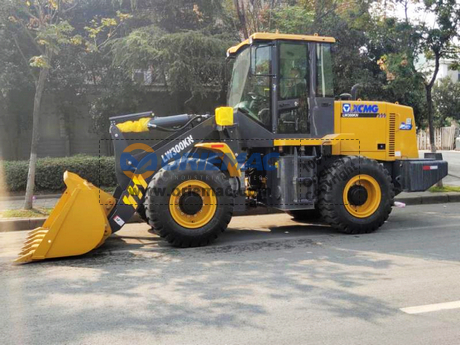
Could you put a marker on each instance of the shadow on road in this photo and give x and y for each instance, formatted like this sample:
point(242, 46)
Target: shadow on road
point(137, 282)
point(143, 284)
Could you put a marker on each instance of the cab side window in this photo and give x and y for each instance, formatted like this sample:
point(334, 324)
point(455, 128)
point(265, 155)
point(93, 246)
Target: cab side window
point(293, 114)
point(324, 73)
point(256, 96)
point(293, 70)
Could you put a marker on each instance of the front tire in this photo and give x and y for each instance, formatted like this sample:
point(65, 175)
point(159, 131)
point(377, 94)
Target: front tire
point(142, 213)
point(356, 195)
point(189, 208)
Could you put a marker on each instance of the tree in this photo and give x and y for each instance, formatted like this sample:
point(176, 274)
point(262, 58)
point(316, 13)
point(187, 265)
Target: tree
point(396, 44)
point(433, 42)
point(406, 43)
point(45, 25)
point(294, 19)
point(446, 97)
point(355, 53)
point(41, 21)
point(176, 60)
point(249, 15)
point(180, 46)
point(438, 43)
point(16, 85)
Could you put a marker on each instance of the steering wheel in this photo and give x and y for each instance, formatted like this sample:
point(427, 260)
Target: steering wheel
point(265, 116)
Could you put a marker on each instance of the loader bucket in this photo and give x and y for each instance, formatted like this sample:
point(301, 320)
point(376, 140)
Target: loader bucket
point(77, 225)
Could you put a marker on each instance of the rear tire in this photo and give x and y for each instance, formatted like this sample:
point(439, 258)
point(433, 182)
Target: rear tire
point(356, 195)
point(189, 208)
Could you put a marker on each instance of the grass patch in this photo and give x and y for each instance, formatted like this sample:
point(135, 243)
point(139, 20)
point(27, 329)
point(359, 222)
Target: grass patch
point(33, 213)
point(445, 189)
point(109, 190)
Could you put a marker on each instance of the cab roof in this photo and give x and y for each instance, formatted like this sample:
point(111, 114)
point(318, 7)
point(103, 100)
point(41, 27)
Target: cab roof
point(272, 37)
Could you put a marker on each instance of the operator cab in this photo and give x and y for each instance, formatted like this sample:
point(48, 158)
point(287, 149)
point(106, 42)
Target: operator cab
point(284, 83)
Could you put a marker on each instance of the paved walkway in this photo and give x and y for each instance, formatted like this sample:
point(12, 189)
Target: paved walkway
point(16, 203)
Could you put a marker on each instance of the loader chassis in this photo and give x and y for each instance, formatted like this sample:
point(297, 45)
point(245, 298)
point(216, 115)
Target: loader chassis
point(339, 160)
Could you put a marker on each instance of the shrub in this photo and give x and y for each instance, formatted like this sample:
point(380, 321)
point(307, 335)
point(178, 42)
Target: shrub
point(100, 171)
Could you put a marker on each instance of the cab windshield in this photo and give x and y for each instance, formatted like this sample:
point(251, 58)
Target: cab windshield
point(250, 89)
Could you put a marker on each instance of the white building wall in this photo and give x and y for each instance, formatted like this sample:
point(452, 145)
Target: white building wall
point(444, 71)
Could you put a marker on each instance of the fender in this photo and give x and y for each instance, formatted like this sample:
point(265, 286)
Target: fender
point(227, 156)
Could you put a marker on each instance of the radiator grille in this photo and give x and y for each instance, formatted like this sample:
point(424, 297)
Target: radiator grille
point(391, 143)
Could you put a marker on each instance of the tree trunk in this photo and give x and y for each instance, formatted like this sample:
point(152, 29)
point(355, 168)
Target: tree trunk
point(318, 13)
point(40, 87)
point(241, 14)
point(429, 101)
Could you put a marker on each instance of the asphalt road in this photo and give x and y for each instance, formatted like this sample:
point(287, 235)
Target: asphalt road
point(268, 280)
point(453, 158)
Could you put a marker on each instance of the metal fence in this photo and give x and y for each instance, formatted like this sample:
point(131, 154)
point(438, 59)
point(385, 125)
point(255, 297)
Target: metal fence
point(444, 138)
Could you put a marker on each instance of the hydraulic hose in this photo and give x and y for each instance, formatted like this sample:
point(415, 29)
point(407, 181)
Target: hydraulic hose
point(174, 121)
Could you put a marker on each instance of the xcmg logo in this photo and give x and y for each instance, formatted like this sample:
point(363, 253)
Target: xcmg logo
point(360, 108)
point(173, 159)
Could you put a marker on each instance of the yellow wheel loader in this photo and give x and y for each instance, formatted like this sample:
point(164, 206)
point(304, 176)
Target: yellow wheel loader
point(283, 141)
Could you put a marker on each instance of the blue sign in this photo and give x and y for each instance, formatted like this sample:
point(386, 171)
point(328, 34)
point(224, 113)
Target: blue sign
point(405, 126)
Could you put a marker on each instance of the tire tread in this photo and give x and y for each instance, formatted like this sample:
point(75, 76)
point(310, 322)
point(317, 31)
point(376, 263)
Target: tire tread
point(329, 208)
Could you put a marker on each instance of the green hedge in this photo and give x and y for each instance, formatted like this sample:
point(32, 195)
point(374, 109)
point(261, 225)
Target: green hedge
point(100, 171)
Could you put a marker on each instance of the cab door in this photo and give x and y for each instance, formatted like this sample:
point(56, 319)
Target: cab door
point(322, 99)
point(293, 91)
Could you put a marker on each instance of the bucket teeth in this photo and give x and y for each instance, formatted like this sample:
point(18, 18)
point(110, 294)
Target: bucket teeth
point(33, 241)
point(36, 230)
point(25, 258)
point(29, 247)
point(39, 231)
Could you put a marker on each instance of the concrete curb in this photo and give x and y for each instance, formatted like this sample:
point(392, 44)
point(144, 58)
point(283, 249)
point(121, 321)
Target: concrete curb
point(37, 197)
point(434, 198)
point(21, 224)
point(26, 224)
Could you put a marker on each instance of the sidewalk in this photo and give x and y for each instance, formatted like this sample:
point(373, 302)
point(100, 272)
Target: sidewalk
point(49, 201)
point(17, 202)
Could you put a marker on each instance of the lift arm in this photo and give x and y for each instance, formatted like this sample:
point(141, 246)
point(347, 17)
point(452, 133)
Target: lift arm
point(133, 182)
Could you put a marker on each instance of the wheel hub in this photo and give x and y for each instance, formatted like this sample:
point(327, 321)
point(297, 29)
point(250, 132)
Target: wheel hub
point(193, 204)
point(190, 203)
point(357, 195)
point(362, 196)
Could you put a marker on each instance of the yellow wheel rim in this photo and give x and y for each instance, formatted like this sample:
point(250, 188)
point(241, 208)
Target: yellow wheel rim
point(193, 204)
point(374, 196)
